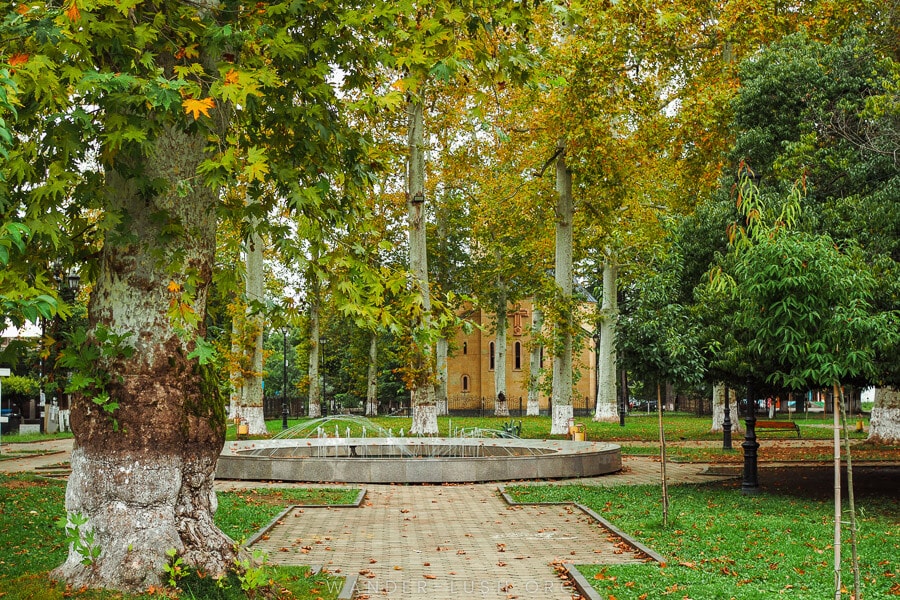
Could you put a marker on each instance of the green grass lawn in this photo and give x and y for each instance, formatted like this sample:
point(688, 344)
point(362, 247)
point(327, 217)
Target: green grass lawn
point(31, 544)
point(721, 545)
point(638, 427)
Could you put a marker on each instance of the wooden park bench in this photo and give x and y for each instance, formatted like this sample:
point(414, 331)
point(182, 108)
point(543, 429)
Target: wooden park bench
point(777, 425)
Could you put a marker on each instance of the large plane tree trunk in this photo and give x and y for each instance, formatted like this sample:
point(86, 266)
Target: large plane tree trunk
point(315, 346)
point(142, 473)
point(562, 358)
point(884, 426)
point(424, 410)
point(252, 400)
point(718, 410)
point(534, 363)
point(372, 377)
point(501, 406)
point(442, 351)
point(607, 408)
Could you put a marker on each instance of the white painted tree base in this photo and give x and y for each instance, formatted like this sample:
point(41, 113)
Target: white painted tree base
point(560, 419)
point(501, 408)
point(884, 426)
point(371, 409)
point(606, 412)
point(718, 411)
point(533, 408)
point(315, 410)
point(424, 420)
point(255, 419)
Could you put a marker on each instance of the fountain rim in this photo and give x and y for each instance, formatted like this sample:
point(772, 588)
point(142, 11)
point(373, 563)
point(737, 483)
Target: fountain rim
point(560, 459)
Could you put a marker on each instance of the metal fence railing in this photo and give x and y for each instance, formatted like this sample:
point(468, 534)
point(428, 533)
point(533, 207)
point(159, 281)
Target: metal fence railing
point(462, 406)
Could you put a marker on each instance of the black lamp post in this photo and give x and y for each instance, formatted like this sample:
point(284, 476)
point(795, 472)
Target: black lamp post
point(726, 423)
point(68, 285)
point(284, 409)
point(750, 485)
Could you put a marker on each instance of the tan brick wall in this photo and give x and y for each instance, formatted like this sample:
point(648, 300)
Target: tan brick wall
point(471, 358)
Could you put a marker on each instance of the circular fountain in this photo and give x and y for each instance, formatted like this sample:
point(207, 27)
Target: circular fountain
point(363, 452)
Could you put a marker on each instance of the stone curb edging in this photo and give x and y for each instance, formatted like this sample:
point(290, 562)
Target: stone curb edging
point(655, 556)
point(585, 589)
point(280, 516)
point(348, 591)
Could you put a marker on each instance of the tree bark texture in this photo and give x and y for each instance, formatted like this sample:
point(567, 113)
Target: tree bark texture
point(884, 425)
point(607, 407)
point(315, 382)
point(236, 389)
point(718, 409)
point(422, 392)
point(501, 408)
point(252, 401)
point(143, 475)
point(562, 359)
point(442, 349)
point(372, 379)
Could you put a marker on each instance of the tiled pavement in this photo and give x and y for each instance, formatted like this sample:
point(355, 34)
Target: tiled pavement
point(434, 542)
point(459, 541)
point(444, 541)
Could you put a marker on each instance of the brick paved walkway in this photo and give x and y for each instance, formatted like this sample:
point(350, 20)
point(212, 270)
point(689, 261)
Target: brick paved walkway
point(459, 541)
point(444, 542)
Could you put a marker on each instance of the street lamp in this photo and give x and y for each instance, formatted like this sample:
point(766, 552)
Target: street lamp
point(726, 423)
point(68, 285)
point(73, 280)
point(750, 485)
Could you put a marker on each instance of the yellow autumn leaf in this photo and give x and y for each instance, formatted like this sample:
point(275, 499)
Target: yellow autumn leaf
point(173, 287)
point(72, 12)
point(231, 77)
point(195, 107)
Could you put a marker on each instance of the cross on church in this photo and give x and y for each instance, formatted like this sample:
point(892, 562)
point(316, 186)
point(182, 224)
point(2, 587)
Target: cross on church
point(517, 316)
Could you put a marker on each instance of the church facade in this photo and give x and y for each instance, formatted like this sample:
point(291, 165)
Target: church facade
point(471, 364)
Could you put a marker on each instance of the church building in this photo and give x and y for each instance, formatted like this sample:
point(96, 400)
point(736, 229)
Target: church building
point(471, 364)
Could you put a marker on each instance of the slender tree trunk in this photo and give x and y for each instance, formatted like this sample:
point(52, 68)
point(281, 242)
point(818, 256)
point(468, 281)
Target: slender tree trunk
point(143, 475)
point(662, 457)
point(501, 407)
point(607, 408)
point(852, 500)
point(424, 411)
point(837, 492)
point(442, 349)
point(533, 407)
point(884, 425)
point(718, 409)
point(315, 382)
point(372, 380)
point(236, 390)
point(562, 359)
point(252, 401)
